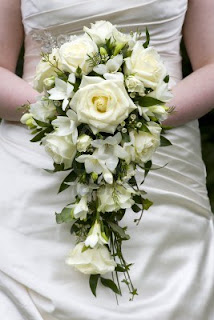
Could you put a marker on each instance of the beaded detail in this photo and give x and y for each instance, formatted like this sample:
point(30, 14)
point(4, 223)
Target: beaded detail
point(48, 40)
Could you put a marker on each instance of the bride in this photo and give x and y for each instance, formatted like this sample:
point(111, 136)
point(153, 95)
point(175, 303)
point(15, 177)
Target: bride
point(173, 247)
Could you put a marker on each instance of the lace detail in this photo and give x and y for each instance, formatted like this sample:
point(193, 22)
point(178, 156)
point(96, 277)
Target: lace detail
point(48, 40)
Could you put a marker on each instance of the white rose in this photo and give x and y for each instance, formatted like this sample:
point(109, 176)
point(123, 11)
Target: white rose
point(75, 54)
point(83, 142)
point(43, 110)
point(113, 198)
point(60, 148)
point(91, 261)
point(146, 65)
point(100, 31)
point(45, 70)
point(103, 104)
point(135, 85)
point(145, 143)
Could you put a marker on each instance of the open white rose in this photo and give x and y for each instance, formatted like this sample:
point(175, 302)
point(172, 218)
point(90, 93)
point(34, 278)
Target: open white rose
point(100, 31)
point(103, 104)
point(146, 65)
point(91, 261)
point(75, 53)
point(45, 70)
point(145, 143)
point(60, 148)
point(114, 197)
point(43, 110)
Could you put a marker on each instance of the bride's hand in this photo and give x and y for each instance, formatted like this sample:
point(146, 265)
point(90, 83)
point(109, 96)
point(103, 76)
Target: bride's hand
point(194, 95)
point(13, 90)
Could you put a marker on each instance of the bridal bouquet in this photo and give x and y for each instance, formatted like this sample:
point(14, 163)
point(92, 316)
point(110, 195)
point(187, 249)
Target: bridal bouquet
point(99, 117)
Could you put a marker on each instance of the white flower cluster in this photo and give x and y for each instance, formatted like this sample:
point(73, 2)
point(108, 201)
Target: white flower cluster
point(99, 115)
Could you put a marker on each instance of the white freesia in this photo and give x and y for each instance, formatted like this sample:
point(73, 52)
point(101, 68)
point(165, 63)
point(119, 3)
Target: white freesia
point(114, 197)
point(67, 125)
point(83, 142)
point(161, 92)
point(120, 37)
point(62, 91)
point(103, 104)
point(76, 52)
point(80, 209)
point(100, 31)
point(135, 85)
point(111, 66)
point(144, 143)
point(91, 261)
point(45, 70)
point(110, 150)
point(94, 163)
point(43, 110)
point(96, 236)
point(146, 65)
point(159, 112)
point(60, 148)
point(28, 120)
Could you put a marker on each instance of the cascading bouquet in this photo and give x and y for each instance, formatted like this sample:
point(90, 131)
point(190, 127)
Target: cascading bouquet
point(99, 117)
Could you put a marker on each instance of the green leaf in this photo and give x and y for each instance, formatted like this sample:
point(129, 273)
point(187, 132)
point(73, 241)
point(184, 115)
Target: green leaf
point(59, 110)
point(41, 134)
point(110, 284)
point(166, 79)
point(147, 204)
point(126, 137)
point(148, 101)
point(119, 268)
point(69, 178)
point(146, 43)
point(164, 142)
point(93, 280)
point(120, 231)
point(64, 216)
point(147, 167)
point(57, 167)
point(41, 123)
point(135, 208)
point(137, 199)
point(132, 181)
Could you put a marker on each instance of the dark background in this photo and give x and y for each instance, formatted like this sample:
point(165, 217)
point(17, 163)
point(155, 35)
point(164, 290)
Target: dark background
point(206, 127)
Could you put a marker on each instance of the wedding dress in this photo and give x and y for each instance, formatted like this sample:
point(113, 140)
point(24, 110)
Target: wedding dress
point(172, 248)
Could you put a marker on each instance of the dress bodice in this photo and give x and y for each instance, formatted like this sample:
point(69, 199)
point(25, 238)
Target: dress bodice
point(163, 18)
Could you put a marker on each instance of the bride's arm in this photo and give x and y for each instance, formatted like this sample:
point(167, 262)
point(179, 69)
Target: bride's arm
point(194, 95)
point(13, 90)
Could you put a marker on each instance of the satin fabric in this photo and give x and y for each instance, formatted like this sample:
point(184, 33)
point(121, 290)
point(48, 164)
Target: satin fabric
point(172, 248)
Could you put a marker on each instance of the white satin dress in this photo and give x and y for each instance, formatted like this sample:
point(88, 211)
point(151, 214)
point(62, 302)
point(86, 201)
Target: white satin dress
point(172, 248)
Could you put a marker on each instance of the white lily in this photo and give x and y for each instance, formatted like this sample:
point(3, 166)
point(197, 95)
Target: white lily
point(62, 91)
point(96, 236)
point(112, 65)
point(67, 125)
